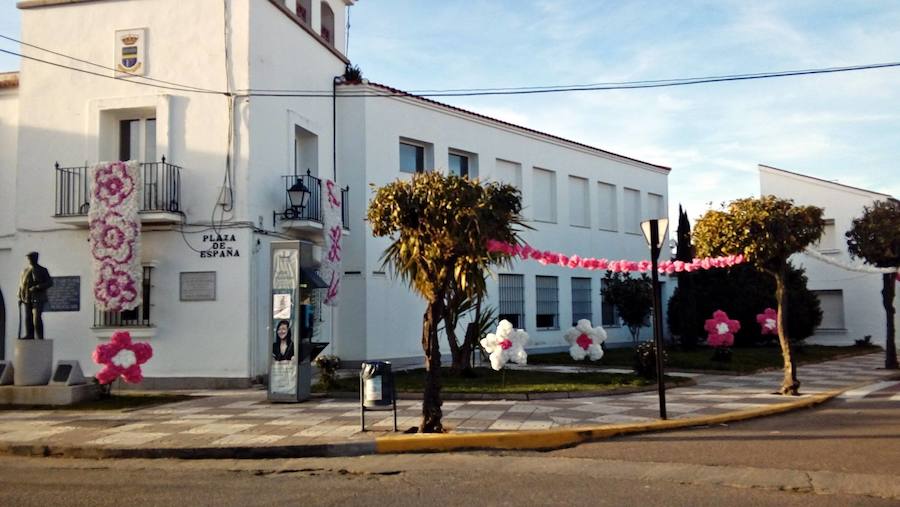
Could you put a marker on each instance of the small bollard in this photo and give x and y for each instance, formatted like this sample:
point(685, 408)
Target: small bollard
point(376, 390)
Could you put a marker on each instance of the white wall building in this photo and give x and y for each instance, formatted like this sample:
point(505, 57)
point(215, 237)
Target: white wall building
point(230, 153)
point(851, 301)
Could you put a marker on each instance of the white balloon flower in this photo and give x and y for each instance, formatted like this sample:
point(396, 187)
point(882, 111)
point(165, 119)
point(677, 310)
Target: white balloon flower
point(585, 340)
point(507, 344)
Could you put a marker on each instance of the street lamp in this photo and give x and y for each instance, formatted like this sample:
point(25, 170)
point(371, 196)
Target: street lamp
point(654, 231)
point(298, 195)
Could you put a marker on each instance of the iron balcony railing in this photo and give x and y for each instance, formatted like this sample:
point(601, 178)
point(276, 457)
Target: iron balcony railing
point(160, 181)
point(313, 209)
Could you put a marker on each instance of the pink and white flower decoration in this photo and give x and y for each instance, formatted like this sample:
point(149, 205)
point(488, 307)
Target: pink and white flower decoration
point(584, 341)
point(721, 330)
point(768, 321)
point(115, 231)
point(507, 344)
point(121, 358)
point(527, 252)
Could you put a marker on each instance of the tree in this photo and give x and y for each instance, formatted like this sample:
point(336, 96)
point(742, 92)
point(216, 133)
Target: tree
point(439, 226)
point(766, 231)
point(875, 238)
point(632, 299)
point(687, 307)
point(743, 292)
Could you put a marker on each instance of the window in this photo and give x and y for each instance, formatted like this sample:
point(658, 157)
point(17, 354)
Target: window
point(832, 303)
point(412, 158)
point(632, 211)
point(303, 10)
point(828, 241)
point(657, 208)
point(327, 23)
point(139, 317)
point(462, 163)
point(508, 172)
point(579, 202)
point(512, 300)
point(306, 151)
point(137, 140)
point(547, 302)
point(581, 300)
point(607, 204)
point(609, 314)
point(544, 195)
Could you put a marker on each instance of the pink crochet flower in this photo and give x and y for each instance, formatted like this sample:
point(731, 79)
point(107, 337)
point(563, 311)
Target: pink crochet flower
point(113, 184)
point(721, 330)
point(121, 358)
point(768, 320)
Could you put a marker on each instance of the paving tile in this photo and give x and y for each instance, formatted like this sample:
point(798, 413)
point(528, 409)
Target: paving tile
point(218, 428)
point(128, 439)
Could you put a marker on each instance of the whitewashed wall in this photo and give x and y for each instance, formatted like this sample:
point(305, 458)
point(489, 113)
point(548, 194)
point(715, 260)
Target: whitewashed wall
point(863, 311)
point(392, 314)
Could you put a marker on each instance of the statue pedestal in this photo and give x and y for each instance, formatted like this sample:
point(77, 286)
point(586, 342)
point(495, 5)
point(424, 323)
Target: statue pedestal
point(33, 362)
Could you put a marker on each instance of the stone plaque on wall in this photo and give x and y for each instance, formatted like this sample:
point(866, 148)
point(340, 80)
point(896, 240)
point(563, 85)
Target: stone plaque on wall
point(198, 286)
point(65, 295)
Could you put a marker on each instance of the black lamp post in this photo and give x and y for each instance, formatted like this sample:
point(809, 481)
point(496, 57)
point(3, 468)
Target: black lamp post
point(654, 232)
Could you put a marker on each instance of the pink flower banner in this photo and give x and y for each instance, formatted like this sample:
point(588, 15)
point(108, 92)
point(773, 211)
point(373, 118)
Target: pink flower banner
point(526, 252)
point(115, 233)
point(332, 220)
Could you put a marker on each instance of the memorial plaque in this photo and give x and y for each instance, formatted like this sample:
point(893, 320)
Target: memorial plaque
point(65, 295)
point(198, 286)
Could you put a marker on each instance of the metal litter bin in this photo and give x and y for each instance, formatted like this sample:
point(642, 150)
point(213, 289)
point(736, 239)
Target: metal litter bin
point(376, 390)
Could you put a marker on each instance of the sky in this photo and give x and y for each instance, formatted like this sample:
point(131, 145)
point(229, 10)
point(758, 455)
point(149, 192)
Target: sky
point(839, 127)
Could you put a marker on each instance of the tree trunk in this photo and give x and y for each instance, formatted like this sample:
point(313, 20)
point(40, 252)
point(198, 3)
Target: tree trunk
point(887, 299)
point(790, 385)
point(431, 402)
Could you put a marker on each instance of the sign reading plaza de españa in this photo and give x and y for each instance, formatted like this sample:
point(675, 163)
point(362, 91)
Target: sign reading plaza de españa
point(219, 246)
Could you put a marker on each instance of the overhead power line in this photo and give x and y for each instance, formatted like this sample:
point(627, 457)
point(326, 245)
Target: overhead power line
point(94, 64)
point(449, 92)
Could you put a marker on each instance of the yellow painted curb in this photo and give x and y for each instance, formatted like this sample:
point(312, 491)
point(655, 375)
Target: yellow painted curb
point(567, 437)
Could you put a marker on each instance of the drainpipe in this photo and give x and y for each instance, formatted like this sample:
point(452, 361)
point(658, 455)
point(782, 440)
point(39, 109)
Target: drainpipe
point(334, 83)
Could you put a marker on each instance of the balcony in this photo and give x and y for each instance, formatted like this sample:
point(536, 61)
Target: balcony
point(303, 216)
point(160, 199)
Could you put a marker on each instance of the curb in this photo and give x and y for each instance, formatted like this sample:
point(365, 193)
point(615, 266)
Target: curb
point(544, 440)
point(533, 440)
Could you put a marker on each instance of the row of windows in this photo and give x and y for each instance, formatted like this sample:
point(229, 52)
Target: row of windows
point(511, 305)
point(417, 157)
point(459, 163)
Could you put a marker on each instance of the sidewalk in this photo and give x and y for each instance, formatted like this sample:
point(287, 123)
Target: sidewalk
point(244, 424)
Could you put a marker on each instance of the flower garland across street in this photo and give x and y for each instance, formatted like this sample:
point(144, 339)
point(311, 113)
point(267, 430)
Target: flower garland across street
point(554, 258)
point(115, 232)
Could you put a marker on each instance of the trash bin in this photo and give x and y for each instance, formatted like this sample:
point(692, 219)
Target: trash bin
point(377, 384)
point(376, 390)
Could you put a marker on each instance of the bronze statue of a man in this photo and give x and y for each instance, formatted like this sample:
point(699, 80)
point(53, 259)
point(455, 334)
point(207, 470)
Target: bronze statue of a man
point(33, 294)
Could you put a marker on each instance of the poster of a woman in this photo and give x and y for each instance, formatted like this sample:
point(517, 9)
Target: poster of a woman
point(283, 346)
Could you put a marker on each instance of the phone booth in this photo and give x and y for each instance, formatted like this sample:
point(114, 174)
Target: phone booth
point(293, 321)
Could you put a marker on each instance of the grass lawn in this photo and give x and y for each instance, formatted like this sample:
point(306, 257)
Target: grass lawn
point(743, 360)
point(487, 380)
point(117, 401)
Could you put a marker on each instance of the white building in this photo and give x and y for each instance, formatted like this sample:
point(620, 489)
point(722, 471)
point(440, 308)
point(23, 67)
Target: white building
point(231, 150)
point(851, 300)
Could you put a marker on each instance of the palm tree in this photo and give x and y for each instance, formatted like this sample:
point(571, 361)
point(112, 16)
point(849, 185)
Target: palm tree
point(439, 226)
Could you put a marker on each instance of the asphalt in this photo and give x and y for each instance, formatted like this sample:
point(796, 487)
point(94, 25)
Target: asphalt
point(243, 425)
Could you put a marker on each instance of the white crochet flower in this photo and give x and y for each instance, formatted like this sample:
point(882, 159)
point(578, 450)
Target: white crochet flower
point(585, 341)
point(507, 344)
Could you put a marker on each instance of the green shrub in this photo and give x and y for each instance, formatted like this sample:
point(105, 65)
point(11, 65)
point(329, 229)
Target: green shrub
point(743, 292)
point(645, 359)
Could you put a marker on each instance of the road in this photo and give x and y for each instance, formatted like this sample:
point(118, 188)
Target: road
point(845, 453)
